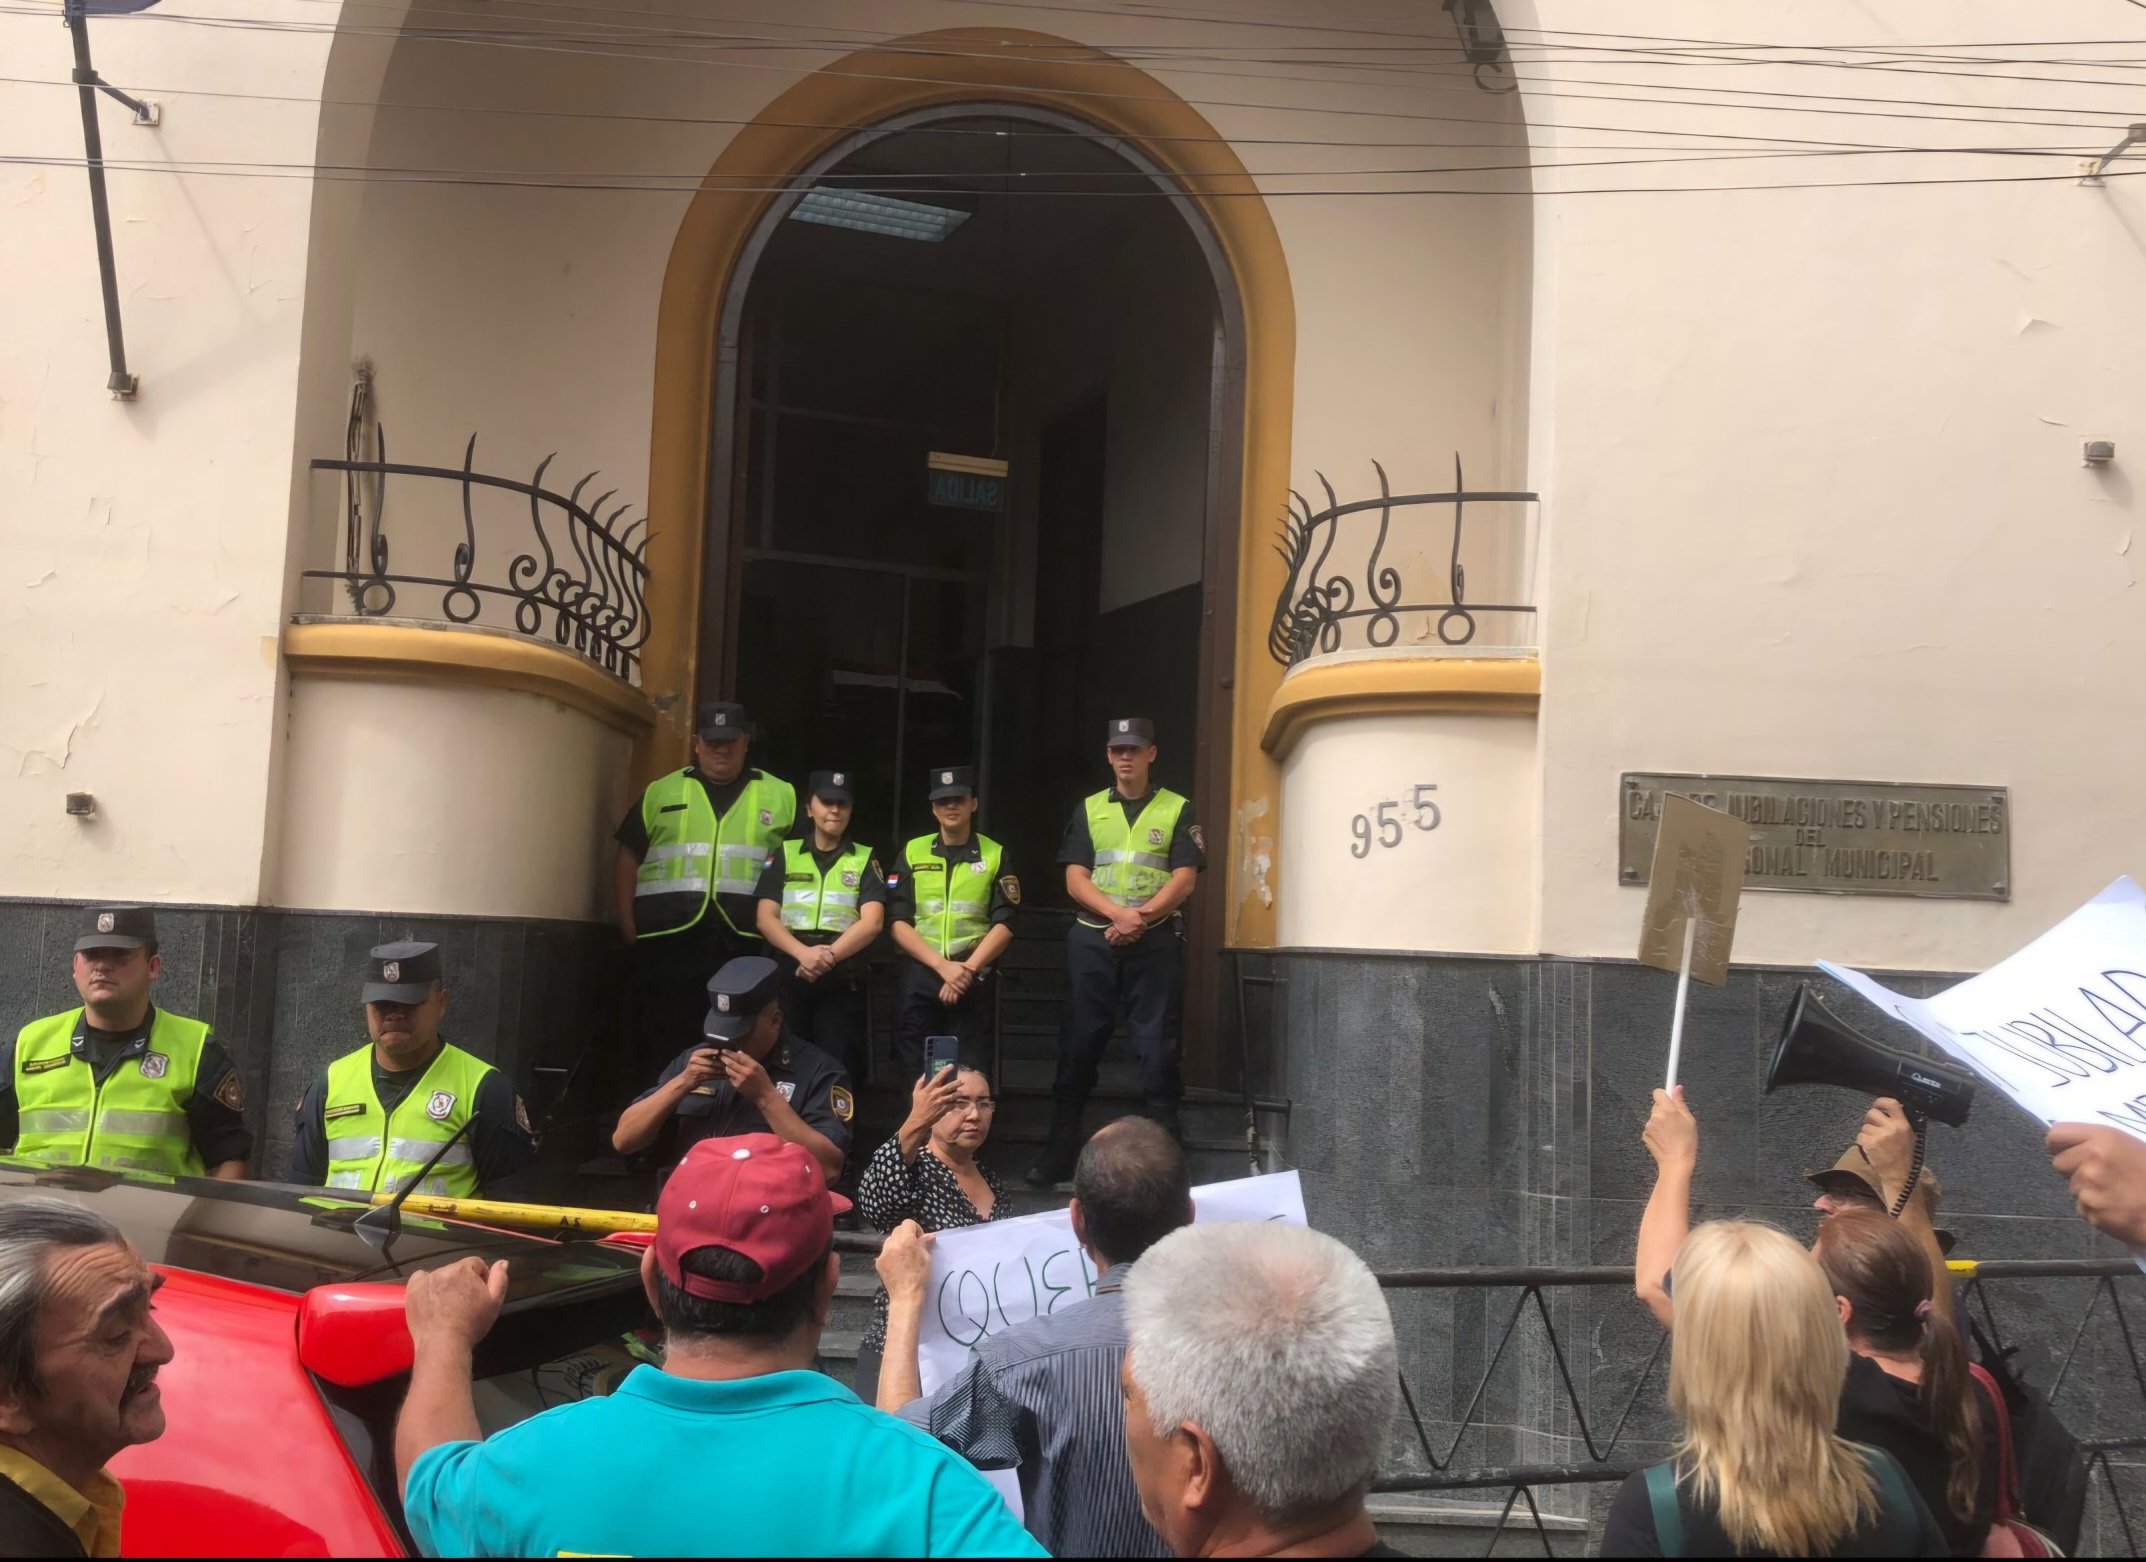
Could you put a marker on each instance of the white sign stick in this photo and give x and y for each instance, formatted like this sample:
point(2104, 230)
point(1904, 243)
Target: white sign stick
point(1676, 1023)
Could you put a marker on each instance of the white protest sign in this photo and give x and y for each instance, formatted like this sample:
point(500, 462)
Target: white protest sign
point(986, 1279)
point(2060, 1027)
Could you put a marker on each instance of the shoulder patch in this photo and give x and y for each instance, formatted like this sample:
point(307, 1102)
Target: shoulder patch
point(521, 1117)
point(844, 1104)
point(876, 870)
point(230, 1094)
point(1010, 887)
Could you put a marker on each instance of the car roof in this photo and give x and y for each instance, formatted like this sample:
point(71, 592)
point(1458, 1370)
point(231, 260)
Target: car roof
point(290, 1239)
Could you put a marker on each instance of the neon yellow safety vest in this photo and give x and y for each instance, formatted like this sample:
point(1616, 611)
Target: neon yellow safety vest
point(134, 1121)
point(952, 916)
point(1132, 859)
point(816, 902)
point(693, 856)
point(371, 1150)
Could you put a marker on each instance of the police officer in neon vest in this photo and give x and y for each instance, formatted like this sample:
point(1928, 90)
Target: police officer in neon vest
point(689, 862)
point(376, 1116)
point(1132, 856)
point(952, 906)
point(823, 901)
point(120, 1083)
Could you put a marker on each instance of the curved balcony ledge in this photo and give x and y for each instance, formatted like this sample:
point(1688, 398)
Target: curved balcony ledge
point(1382, 683)
point(331, 646)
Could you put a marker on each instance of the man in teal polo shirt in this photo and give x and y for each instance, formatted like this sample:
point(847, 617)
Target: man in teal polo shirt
point(735, 1447)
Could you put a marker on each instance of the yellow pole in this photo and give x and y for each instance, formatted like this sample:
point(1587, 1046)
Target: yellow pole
point(527, 1217)
point(1962, 1268)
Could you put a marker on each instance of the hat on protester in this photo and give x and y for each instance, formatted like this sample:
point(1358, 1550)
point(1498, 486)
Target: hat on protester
point(117, 927)
point(736, 995)
point(952, 781)
point(757, 1195)
point(832, 786)
point(1130, 732)
point(1854, 1175)
point(402, 973)
point(721, 721)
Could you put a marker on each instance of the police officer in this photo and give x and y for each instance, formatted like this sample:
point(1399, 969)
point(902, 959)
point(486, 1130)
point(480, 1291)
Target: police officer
point(748, 1075)
point(1132, 856)
point(120, 1083)
point(822, 903)
point(952, 909)
point(689, 860)
point(377, 1115)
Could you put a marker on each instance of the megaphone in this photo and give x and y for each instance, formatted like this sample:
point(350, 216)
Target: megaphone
point(1816, 1048)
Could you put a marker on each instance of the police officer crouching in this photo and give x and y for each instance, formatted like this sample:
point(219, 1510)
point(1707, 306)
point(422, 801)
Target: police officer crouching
point(377, 1115)
point(748, 1075)
point(952, 912)
point(823, 902)
point(119, 1083)
point(1132, 856)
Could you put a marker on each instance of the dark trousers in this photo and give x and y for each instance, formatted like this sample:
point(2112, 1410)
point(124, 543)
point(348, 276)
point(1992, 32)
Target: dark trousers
point(830, 1013)
point(668, 995)
point(1144, 984)
point(919, 1013)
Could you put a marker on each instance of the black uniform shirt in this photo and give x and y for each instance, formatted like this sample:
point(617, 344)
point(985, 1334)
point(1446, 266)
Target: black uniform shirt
point(502, 1143)
point(632, 833)
point(815, 1085)
point(871, 884)
point(902, 894)
point(213, 1113)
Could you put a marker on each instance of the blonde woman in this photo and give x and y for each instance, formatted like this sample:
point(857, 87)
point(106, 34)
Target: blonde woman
point(1755, 1373)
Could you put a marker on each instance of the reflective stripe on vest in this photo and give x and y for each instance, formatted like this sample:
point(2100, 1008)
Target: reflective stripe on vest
point(369, 1149)
point(816, 902)
point(134, 1121)
point(693, 857)
point(952, 917)
point(1132, 858)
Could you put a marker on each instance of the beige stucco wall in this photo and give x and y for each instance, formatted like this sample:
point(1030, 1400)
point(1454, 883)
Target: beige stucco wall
point(447, 800)
point(142, 563)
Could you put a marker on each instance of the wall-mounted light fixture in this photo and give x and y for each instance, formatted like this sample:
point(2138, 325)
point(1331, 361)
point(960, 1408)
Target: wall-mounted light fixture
point(2100, 452)
point(81, 805)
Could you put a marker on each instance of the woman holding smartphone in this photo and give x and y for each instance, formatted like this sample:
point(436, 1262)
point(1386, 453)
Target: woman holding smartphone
point(929, 1172)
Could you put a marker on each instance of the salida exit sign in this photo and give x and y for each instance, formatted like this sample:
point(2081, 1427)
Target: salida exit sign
point(955, 482)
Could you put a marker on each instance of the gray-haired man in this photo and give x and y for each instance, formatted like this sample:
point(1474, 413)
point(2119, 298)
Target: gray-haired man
point(79, 1352)
point(1260, 1379)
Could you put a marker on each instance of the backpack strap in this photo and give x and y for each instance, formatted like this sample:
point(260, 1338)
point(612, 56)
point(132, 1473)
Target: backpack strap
point(2008, 1498)
point(1896, 1526)
point(1668, 1517)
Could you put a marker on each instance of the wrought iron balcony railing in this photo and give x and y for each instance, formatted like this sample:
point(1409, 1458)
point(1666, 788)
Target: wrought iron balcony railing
point(1343, 589)
point(573, 574)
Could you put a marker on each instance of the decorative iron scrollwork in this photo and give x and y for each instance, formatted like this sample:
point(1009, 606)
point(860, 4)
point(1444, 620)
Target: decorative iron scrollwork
point(1314, 605)
point(583, 580)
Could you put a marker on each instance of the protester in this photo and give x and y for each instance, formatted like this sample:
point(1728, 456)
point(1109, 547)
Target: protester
point(1043, 1398)
point(1260, 1379)
point(929, 1172)
point(735, 1447)
point(1755, 1373)
point(79, 1353)
point(1908, 1389)
point(2107, 1171)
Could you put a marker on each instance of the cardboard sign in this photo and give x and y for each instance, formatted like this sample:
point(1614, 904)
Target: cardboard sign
point(986, 1279)
point(2060, 1027)
point(1698, 872)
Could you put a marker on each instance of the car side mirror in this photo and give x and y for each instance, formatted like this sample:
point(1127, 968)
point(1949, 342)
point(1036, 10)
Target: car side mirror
point(354, 1334)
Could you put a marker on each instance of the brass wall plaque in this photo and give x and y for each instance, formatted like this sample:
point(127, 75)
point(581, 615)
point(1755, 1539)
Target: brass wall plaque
point(1839, 837)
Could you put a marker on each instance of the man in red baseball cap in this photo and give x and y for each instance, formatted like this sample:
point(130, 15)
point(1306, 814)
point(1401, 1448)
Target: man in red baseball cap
point(741, 1275)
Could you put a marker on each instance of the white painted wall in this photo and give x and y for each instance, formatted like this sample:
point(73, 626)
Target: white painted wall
point(446, 800)
point(142, 560)
point(1462, 884)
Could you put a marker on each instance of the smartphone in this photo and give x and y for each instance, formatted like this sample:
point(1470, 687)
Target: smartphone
point(940, 1052)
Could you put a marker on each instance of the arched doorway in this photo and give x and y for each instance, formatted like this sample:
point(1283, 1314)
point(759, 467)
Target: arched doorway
point(705, 440)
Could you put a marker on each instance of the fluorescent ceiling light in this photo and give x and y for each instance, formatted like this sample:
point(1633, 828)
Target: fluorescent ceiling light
point(869, 213)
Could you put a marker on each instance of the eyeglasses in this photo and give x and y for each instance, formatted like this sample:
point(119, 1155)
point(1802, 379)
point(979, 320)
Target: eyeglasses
point(982, 1106)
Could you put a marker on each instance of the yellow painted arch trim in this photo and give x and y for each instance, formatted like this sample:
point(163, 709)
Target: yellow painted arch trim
point(980, 66)
point(487, 658)
point(1478, 685)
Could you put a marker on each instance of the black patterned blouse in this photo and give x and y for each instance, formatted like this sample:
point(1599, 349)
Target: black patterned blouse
point(923, 1191)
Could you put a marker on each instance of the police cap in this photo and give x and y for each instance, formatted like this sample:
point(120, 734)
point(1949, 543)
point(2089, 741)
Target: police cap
point(736, 995)
point(117, 927)
point(832, 786)
point(722, 721)
point(402, 973)
point(952, 781)
point(1130, 732)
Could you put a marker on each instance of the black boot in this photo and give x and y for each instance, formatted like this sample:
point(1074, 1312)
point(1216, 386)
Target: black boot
point(1060, 1151)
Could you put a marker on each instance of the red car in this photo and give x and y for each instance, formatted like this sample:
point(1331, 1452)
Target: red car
point(292, 1356)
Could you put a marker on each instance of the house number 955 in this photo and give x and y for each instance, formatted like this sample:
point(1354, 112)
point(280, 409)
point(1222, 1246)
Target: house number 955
point(1384, 823)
